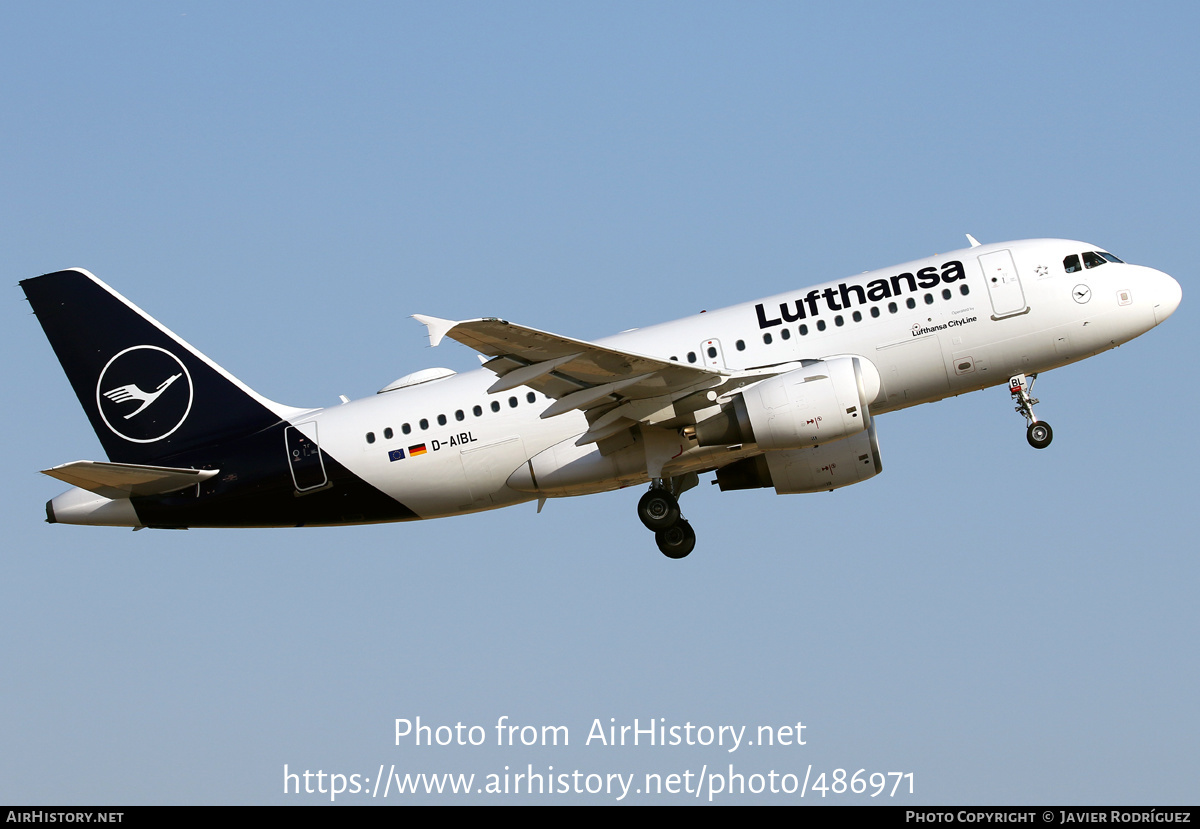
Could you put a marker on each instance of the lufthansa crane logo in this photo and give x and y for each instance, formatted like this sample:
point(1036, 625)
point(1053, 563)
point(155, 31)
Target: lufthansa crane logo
point(144, 394)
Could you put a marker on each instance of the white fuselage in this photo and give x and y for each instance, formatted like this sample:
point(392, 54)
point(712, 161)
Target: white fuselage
point(932, 328)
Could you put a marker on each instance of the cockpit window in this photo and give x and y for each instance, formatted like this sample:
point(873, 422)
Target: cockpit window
point(1091, 259)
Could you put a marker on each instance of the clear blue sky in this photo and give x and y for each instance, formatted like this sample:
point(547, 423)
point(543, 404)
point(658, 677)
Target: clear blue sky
point(284, 184)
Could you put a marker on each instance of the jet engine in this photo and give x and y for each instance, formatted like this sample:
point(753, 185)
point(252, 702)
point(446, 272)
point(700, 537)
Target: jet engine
point(820, 468)
point(822, 402)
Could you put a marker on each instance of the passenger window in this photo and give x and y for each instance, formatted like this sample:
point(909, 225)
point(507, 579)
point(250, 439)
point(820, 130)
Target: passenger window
point(495, 405)
point(929, 299)
point(857, 316)
point(712, 352)
point(406, 428)
point(874, 310)
point(477, 411)
point(1071, 264)
point(946, 293)
point(691, 356)
point(1091, 259)
point(964, 289)
point(531, 397)
point(892, 308)
point(370, 437)
point(387, 433)
point(820, 325)
point(767, 338)
point(785, 333)
point(441, 420)
point(838, 321)
point(803, 330)
point(910, 302)
point(424, 424)
point(512, 402)
point(459, 415)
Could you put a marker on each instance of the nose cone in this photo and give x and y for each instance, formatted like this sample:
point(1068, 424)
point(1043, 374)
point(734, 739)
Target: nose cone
point(1167, 296)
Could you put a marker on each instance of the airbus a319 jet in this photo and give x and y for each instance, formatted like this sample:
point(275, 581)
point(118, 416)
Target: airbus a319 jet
point(779, 393)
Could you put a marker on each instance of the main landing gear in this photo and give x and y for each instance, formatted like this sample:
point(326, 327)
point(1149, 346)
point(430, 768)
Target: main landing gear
point(1039, 434)
point(658, 510)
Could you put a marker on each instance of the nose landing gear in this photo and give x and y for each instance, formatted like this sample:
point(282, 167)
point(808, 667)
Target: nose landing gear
point(658, 510)
point(1038, 433)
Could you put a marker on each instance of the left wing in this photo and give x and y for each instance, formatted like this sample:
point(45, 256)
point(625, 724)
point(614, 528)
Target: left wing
point(616, 389)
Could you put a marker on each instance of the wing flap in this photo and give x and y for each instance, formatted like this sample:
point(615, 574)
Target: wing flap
point(125, 480)
point(523, 375)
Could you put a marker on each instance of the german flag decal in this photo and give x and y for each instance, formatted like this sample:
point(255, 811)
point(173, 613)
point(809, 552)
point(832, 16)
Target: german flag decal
point(414, 451)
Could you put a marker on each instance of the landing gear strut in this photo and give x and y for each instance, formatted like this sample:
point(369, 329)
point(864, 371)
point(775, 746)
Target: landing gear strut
point(1039, 434)
point(658, 510)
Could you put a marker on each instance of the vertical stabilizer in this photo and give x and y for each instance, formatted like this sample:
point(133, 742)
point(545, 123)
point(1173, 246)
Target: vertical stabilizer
point(148, 394)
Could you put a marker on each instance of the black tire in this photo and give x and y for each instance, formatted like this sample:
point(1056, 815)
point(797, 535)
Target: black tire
point(658, 509)
point(1039, 434)
point(677, 540)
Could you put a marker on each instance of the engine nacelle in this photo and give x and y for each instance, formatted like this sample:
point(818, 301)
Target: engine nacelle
point(822, 402)
point(821, 468)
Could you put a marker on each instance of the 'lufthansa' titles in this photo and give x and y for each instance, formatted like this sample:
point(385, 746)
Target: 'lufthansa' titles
point(846, 295)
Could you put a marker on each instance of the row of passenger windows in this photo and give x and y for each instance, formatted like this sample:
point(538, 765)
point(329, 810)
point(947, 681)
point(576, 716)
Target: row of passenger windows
point(838, 321)
point(784, 334)
point(459, 415)
point(1091, 259)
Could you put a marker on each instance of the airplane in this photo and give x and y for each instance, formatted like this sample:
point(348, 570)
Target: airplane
point(781, 392)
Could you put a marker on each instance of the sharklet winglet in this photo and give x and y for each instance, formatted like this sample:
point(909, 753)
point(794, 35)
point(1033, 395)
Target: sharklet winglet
point(436, 326)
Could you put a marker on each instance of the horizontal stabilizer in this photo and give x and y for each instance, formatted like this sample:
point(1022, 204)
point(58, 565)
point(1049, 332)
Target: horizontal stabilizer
point(125, 480)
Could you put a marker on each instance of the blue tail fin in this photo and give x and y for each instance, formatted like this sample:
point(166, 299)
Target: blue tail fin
point(149, 395)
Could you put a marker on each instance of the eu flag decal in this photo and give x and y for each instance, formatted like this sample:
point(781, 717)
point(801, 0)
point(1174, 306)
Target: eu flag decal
point(396, 455)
